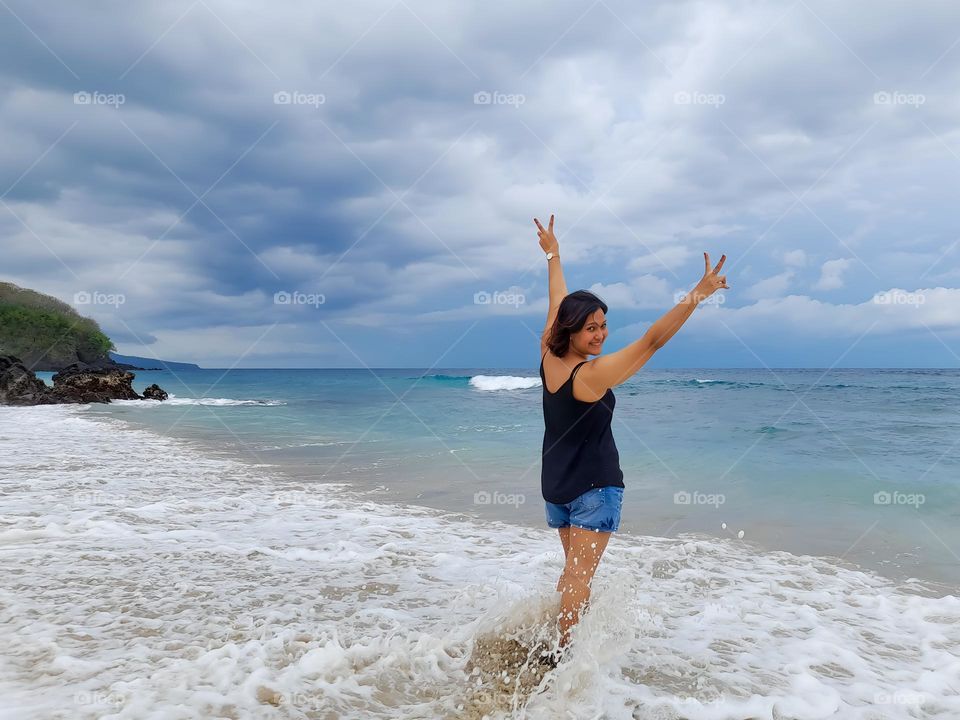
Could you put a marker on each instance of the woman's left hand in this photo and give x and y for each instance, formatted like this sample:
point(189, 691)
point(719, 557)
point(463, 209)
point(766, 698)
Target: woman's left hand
point(711, 280)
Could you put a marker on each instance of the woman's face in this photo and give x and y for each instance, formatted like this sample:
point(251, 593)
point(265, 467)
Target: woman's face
point(590, 339)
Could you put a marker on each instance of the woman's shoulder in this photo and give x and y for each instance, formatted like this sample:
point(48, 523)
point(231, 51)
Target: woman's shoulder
point(584, 386)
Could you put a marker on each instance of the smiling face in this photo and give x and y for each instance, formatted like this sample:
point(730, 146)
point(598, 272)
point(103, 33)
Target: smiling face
point(590, 339)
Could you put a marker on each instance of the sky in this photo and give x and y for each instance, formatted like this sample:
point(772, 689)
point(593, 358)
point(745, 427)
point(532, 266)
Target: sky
point(318, 184)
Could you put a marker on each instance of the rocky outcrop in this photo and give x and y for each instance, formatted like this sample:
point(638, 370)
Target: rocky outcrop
point(154, 392)
point(19, 386)
point(82, 383)
point(78, 383)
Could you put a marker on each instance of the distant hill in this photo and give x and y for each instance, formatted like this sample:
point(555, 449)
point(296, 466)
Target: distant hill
point(152, 363)
point(46, 333)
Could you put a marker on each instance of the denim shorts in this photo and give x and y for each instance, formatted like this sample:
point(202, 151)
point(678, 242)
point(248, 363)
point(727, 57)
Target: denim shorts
point(597, 509)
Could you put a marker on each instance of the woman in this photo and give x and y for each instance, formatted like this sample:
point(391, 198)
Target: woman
point(581, 479)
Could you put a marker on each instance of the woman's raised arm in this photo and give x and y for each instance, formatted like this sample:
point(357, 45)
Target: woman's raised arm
point(558, 286)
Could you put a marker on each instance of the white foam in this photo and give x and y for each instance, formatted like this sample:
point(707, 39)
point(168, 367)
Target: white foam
point(319, 443)
point(503, 382)
point(144, 580)
point(511, 428)
point(174, 400)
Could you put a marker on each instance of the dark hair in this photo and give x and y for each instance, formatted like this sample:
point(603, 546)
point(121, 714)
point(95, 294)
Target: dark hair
point(572, 315)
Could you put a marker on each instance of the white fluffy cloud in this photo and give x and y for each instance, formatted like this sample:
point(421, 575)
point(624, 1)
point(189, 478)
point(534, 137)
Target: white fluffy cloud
point(773, 286)
point(887, 313)
point(642, 292)
point(669, 258)
point(795, 258)
point(831, 274)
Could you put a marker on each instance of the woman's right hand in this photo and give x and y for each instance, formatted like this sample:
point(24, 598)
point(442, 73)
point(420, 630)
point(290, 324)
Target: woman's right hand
point(711, 281)
point(548, 241)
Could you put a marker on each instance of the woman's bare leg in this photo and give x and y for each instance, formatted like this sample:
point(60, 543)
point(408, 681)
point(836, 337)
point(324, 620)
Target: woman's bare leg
point(585, 549)
point(565, 541)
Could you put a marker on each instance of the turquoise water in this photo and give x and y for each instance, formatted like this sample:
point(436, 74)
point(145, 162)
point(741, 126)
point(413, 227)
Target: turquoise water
point(792, 459)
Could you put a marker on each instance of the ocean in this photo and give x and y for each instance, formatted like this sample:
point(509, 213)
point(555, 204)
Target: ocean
point(861, 465)
point(355, 543)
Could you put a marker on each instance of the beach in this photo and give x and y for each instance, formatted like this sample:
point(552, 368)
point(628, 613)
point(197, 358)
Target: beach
point(148, 577)
point(274, 442)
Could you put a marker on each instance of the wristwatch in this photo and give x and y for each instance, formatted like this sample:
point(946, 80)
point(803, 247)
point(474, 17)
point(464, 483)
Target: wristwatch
point(551, 256)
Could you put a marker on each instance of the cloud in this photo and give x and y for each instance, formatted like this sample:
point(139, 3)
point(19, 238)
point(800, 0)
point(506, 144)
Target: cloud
point(831, 274)
point(888, 313)
point(773, 286)
point(795, 258)
point(642, 292)
point(399, 198)
point(669, 258)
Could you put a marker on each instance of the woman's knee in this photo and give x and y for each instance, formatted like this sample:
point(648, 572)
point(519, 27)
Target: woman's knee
point(581, 566)
point(573, 584)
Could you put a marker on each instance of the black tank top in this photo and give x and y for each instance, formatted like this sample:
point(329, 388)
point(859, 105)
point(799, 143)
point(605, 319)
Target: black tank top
point(579, 453)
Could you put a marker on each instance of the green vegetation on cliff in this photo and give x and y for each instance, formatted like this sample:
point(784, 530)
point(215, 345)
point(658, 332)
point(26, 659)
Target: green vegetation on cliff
point(46, 333)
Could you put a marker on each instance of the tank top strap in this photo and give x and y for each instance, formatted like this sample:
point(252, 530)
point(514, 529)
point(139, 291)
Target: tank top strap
point(577, 368)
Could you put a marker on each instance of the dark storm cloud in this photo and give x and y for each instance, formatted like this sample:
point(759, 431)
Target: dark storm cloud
point(398, 196)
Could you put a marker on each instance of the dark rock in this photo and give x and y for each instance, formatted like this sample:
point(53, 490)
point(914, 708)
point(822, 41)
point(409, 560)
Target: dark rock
point(85, 383)
point(98, 382)
point(155, 392)
point(19, 386)
point(96, 365)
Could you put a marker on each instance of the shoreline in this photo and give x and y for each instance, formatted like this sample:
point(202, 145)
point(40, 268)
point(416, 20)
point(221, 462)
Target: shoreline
point(148, 577)
point(382, 489)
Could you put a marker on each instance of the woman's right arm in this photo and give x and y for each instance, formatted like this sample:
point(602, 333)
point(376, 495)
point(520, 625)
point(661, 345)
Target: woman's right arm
point(608, 371)
point(558, 286)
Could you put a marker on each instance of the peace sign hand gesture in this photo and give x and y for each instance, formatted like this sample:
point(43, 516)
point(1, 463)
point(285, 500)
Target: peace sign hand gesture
point(711, 281)
point(548, 241)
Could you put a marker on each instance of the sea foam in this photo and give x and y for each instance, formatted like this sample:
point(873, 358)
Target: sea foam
point(503, 382)
point(216, 402)
point(144, 579)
